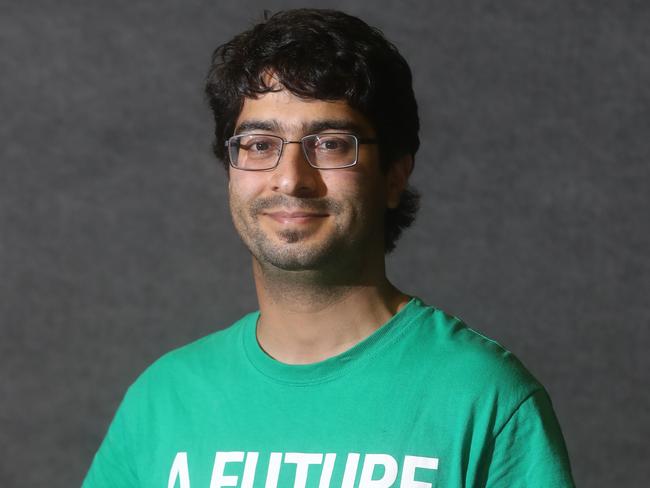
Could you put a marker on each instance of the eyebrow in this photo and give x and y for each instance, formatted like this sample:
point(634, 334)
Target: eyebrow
point(253, 125)
point(311, 127)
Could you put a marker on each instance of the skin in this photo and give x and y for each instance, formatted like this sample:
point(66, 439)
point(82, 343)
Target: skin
point(315, 236)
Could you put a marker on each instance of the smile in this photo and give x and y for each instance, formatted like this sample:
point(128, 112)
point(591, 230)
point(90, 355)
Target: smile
point(295, 217)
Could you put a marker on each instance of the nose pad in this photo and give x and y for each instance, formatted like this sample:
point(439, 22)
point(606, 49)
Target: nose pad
point(293, 174)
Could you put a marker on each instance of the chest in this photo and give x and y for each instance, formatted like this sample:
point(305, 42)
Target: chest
point(380, 432)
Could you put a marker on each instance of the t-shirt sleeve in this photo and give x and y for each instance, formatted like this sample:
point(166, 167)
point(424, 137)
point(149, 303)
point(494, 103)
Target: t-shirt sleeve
point(529, 450)
point(112, 466)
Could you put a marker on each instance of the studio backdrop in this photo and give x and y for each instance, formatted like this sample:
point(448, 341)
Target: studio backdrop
point(116, 243)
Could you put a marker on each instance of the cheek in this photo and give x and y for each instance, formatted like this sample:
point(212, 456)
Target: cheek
point(237, 201)
point(360, 194)
point(241, 187)
point(344, 183)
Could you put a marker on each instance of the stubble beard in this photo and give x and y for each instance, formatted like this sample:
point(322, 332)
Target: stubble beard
point(287, 249)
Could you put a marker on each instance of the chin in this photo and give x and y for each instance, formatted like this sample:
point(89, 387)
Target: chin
point(294, 261)
point(293, 254)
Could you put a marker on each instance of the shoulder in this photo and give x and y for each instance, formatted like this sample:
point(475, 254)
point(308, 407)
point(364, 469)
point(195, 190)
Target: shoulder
point(211, 356)
point(459, 354)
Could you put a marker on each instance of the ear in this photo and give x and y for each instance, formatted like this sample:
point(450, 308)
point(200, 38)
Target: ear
point(397, 179)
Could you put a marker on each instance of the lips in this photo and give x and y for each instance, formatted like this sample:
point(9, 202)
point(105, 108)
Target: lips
point(297, 217)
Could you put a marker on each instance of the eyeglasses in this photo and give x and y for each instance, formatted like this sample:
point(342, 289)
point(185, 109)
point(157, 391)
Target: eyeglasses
point(261, 152)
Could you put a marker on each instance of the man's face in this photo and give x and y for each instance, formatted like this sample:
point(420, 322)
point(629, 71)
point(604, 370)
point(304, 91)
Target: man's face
point(296, 217)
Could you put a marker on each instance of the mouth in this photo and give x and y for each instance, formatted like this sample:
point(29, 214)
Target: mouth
point(297, 217)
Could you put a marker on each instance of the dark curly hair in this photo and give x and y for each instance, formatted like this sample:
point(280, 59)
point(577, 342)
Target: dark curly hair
point(324, 55)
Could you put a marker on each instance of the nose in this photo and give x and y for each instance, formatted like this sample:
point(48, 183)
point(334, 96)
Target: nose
point(293, 175)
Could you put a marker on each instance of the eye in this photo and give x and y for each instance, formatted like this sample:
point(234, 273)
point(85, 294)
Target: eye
point(259, 144)
point(333, 144)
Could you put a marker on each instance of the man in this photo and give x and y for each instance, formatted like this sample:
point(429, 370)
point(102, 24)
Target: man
point(340, 380)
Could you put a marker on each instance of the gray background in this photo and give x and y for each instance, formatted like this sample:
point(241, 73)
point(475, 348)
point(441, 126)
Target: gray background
point(116, 244)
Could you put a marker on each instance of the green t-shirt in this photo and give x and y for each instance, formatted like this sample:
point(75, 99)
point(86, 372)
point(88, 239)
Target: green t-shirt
point(422, 402)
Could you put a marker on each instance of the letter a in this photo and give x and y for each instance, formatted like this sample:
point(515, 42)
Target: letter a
point(179, 470)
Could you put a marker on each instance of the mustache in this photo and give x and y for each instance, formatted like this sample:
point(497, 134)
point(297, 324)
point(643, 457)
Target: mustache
point(316, 205)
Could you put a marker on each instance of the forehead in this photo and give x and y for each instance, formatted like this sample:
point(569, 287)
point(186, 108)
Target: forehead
point(287, 113)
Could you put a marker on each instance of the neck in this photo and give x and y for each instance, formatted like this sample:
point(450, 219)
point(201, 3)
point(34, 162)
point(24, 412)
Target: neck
point(309, 316)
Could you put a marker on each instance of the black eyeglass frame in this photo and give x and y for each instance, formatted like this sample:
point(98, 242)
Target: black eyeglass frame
point(358, 140)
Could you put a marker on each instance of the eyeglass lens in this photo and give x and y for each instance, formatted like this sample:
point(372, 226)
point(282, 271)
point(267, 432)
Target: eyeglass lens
point(262, 151)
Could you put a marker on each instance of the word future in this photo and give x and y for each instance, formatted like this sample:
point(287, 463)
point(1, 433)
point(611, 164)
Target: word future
point(180, 471)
